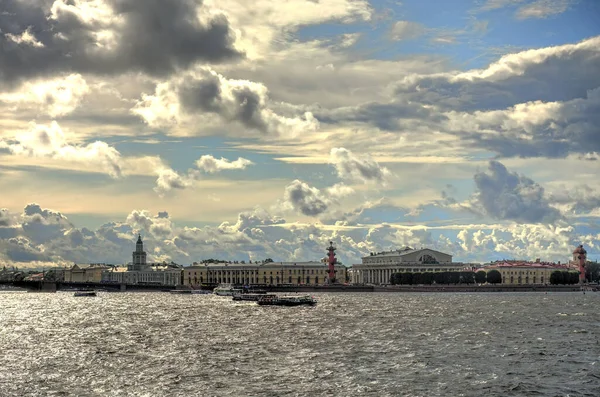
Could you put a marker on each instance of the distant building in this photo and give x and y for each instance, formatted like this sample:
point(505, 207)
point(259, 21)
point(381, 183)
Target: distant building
point(81, 273)
point(142, 273)
point(263, 273)
point(516, 272)
point(377, 268)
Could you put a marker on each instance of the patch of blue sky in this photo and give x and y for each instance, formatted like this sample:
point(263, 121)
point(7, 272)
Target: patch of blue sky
point(456, 31)
point(182, 153)
point(383, 214)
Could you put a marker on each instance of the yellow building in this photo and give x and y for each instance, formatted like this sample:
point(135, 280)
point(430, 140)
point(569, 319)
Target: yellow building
point(262, 273)
point(91, 273)
point(521, 273)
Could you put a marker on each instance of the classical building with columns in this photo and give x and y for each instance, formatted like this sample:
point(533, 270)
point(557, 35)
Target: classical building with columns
point(261, 273)
point(378, 267)
point(140, 272)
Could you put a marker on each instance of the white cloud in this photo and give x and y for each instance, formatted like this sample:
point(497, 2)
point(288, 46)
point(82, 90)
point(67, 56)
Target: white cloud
point(406, 30)
point(57, 97)
point(208, 163)
point(26, 37)
point(169, 179)
point(50, 141)
point(543, 8)
point(358, 168)
point(204, 96)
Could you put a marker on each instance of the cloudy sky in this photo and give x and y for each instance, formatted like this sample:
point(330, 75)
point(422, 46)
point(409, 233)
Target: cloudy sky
point(244, 130)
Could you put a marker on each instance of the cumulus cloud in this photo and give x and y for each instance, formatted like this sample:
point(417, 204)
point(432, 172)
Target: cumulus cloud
point(209, 164)
point(509, 196)
point(202, 94)
point(159, 226)
point(552, 129)
point(168, 179)
point(5, 218)
point(108, 37)
point(56, 97)
point(357, 168)
point(257, 234)
point(307, 200)
point(50, 141)
point(579, 199)
point(519, 77)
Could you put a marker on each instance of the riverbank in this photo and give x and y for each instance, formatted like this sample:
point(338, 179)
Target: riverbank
point(484, 288)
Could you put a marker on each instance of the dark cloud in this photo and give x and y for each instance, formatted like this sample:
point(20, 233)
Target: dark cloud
point(5, 219)
point(20, 249)
point(581, 199)
point(385, 116)
point(162, 214)
point(151, 36)
point(508, 196)
point(244, 105)
point(202, 91)
point(308, 200)
point(363, 169)
point(549, 74)
point(40, 224)
point(548, 130)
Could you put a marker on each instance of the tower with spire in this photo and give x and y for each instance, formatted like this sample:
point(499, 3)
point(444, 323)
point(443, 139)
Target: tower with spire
point(139, 255)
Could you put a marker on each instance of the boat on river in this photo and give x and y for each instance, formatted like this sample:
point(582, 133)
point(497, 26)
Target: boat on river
point(274, 300)
point(85, 293)
point(227, 290)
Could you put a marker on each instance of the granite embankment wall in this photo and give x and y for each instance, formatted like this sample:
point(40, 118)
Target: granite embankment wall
point(482, 288)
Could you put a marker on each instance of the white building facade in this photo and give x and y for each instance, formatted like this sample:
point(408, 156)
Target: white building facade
point(377, 268)
point(261, 273)
point(140, 272)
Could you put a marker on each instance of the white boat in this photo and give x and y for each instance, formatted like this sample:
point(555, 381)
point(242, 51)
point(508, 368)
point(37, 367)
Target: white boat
point(226, 290)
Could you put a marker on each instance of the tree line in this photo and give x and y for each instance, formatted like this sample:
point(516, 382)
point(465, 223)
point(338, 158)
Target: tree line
point(480, 277)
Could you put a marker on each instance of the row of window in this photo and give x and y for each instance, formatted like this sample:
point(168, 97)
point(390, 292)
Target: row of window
point(252, 280)
point(522, 281)
point(245, 272)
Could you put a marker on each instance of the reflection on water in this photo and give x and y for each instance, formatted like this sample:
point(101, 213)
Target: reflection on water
point(350, 344)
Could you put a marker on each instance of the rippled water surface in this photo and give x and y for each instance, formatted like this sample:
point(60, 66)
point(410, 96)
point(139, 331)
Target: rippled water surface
point(350, 344)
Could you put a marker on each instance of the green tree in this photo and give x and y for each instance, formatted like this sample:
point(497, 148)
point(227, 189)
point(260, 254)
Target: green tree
point(494, 277)
point(417, 278)
point(592, 272)
point(467, 277)
point(427, 278)
point(406, 278)
point(556, 277)
point(573, 277)
point(442, 278)
point(566, 276)
point(454, 277)
point(480, 277)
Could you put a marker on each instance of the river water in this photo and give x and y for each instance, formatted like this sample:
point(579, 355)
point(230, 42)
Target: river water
point(350, 344)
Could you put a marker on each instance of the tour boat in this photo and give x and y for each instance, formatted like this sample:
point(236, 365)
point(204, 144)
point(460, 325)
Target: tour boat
point(226, 290)
point(85, 293)
point(274, 300)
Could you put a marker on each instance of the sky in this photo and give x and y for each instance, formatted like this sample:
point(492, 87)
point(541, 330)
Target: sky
point(249, 130)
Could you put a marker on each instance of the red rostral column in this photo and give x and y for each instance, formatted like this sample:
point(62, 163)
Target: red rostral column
point(580, 256)
point(332, 261)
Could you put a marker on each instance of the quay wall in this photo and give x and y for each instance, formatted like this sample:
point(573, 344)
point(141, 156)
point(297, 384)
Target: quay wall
point(482, 288)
